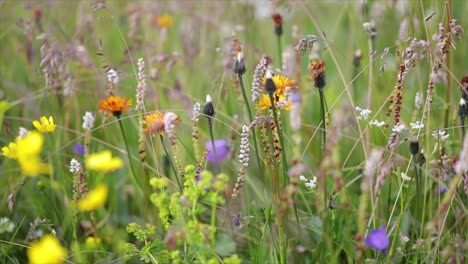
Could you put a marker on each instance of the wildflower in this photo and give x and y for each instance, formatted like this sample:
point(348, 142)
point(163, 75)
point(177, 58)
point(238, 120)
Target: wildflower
point(317, 72)
point(88, 121)
point(92, 242)
point(114, 105)
point(405, 177)
point(78, 149)
point(208, 110)
point(170, 120)
point(239, 66)
point(222, 151)
point(95, 199)
point(417, 125)
point(22, 132)
point(311, 184)
point(45, 125)
point(377, 123)
point(378, 239)
point(258, 77)
point(154, 123)
point(398, 128)
point(6, 225)
point(265, 102)
point(164, 21)
point(440, 189)
point(112, 76)
point(281, 82)
point(47, 250)
point(363, 113)
point(440, 135)
point(278, 21)
point(75, 166)
point(141, 85)
point(103, 161)
point(28, 149)
point(10, 151)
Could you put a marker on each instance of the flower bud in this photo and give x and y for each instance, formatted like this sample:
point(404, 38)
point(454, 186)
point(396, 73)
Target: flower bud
point(270, 86)
point(208, 110)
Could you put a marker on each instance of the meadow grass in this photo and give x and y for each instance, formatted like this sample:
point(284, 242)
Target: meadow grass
point(334, 131)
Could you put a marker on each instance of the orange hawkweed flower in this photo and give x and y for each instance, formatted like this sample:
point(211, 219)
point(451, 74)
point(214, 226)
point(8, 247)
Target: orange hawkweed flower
point(115, 105)
point(155, 123)
point(282, 83)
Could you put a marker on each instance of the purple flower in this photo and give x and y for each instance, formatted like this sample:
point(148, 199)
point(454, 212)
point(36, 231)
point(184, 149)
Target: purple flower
point(441, 189)
point(222, 150)
point(78, 149)
point(378, 239)
point(295, 97)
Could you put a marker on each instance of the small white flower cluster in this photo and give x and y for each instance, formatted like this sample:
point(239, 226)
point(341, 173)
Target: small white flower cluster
point(440, 135)
point(6, 225)
point(398, 128)
point(75, 166)
point(417, 125)
point(112, 76)
point(363, 113)
point(88, 121)
point(259, 72)
point(196, 112)
point(244, 147)
point(141, 85)
point(377, 123)
point(169, 120)
point(311, 184)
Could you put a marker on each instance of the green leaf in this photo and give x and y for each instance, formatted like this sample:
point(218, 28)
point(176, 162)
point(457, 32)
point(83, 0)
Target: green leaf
point(225, 246)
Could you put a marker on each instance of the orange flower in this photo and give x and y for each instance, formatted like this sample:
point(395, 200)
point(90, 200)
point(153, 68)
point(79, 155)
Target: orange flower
point(114, 105)
point(155, 123)
point(282, 83)
point(164, 21)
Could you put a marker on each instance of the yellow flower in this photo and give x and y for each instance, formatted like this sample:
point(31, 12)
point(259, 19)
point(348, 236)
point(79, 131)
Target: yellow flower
point(103, 161)
point(155, 123)
point(282, 83)
point(164, 21)
point(92, 242)
point(94, 199)
point(46, 251)
point(10, 151)
point(45, 125)
point(115, 105)
point(265, 103)
point(28, 149)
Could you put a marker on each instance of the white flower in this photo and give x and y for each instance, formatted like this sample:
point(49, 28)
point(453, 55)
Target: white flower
point(208, 98)
point(377, 123)
point(112, 76)
point(75, 166)
point(405, 177)
point(6, 225)
point(398, 128)
point(462, 101)
point(22, 132)
point(363, 113)
point(440, 135)
point(417, 125)
point(88, 121)
point(311, 184)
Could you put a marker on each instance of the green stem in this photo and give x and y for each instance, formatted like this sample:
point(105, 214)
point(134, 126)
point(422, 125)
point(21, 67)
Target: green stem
point(170, 162)
point(284, 180)
point(134, 175)
point(241, 81)
point(323, 125)
point(210, 125)
point(280, 57)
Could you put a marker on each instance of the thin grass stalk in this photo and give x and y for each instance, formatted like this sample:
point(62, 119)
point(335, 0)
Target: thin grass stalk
point(171, 163)
point(284, 179)
point(134, 175)
point(448, 64)
point(323, 124)
point(241, 81)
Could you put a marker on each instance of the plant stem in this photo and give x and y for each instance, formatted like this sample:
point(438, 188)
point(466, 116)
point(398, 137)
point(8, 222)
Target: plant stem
point(322, 113)
point(134, 175)
point(241, 81)
point(280, 57)
point(284, 179)
point(210, 126)
point(170, 162)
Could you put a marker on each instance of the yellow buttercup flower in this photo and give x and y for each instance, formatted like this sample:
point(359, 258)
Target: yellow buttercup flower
point(46, 251)
point(94, 199)
point(103, 161)
point(164, 21)
point(45, 125)
point(10, 151)
point(28, 149)
point(92, 242)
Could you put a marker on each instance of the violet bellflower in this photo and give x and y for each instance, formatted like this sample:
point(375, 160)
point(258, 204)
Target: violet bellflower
point(78, 149)
point(378, 239)
point(222, 151)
